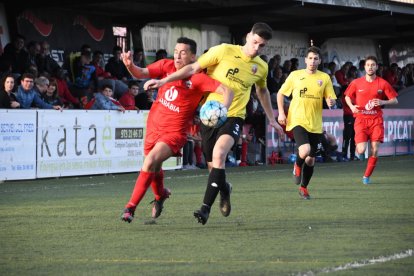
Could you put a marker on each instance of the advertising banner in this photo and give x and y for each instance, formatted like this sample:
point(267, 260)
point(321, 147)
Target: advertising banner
point(398, 132)
point(84, 143)
point(17, 144)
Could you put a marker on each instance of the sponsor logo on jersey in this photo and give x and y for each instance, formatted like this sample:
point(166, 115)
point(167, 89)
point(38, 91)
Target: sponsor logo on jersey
point(170, 95)
point(232, 72)
point(302, 92)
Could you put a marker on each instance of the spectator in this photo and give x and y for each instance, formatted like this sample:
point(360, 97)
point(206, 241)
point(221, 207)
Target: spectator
point(391, 76)
point(104, 101)
point(161, 54)
point(85, 78)
point(138, 57)
point(33, 49)
point(104, 77)
point(7, 97)
point(65, 95)
point(341, 75)
point(41, 85)
point(14, 57)
point(45, 62)
point(128, 99)
point(361, 69)
point(116, 67)
point(144, 100)
point(27, 95)
point(51, 95)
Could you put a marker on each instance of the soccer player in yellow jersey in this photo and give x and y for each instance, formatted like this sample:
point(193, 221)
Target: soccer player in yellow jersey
point(239, 68)
point(308, 87)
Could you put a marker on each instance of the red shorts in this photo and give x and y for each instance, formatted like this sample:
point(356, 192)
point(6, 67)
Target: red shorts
point(369, 129)
point(174, 140)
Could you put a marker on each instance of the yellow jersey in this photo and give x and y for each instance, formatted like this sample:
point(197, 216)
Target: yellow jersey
point(308, 93)
point(229, 65)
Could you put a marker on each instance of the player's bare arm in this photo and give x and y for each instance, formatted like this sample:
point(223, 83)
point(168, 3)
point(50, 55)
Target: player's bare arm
point(183, 73)
point(354, 108)
point(137, 72)
point(264, 97)
point(280, 107)
point(378, 102)
point(227, 93)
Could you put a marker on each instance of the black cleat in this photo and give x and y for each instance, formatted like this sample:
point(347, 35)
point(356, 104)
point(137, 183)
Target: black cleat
point(158, 205)
point(202, 214)
point(225, 206)
point(128, 215)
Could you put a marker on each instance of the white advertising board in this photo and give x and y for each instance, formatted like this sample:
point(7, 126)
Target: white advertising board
point(75, 142)
point(17, 144)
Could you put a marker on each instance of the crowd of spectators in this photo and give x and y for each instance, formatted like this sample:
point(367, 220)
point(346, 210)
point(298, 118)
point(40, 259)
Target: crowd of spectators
point(31, 78)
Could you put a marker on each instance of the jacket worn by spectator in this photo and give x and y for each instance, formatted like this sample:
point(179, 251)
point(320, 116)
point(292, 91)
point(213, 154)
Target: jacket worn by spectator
point(27, 98)
point(105, 103)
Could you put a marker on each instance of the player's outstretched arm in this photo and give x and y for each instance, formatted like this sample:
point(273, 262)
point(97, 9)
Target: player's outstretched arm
point(183, 73)
point(227, 93)
point(264, 97)
point(137, 72)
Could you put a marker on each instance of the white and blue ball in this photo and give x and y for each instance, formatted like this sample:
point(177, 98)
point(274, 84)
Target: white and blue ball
point(213, 114)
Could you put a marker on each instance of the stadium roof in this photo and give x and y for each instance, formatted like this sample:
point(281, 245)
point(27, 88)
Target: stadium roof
point(385, 21)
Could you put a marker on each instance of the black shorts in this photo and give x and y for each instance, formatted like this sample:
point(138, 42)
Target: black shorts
point(232, 126)
point(302, 136)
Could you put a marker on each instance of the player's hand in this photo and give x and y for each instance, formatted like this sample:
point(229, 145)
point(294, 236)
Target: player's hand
point(278, 128)
point(330, 102)
point(376, 102)
point(355, 108)
point(281, 119)
point(127, 59)
point(153, 84)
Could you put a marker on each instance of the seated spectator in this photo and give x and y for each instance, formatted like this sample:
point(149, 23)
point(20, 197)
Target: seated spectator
point(65, 95)
point(144, 100)
point(14, 57)
point(45, 62)
point(128, 99)
point(104, 77)
point(27, 95)
point(116, 67)
point(85, 78)
point(138, 57)
point(41, 85)
point(7, 97)
point(51, 95)
point(103, 100)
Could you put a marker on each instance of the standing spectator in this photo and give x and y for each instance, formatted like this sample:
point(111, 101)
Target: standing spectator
point(348, 133)
point(27, 95)
point(370, 93)
point(242, 74)
point(128, 99)
point(361, 69)
point(391, 76)
point(7, 98)
point(85, 78)
point(168, 120)
point(308, 87)
point(341, 75)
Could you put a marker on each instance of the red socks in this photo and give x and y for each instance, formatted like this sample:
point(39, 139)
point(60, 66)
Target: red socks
point(372, 161)
point(141, 185)
point(157, 184)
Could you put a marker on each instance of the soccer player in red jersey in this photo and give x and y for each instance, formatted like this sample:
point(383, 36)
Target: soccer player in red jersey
point(369, 93)
point(168, 120)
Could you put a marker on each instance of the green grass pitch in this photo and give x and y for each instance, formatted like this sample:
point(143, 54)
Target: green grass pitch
point(72, 226)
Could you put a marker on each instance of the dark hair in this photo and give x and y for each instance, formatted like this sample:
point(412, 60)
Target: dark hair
point(98, 52)
point(190, 42)
point(133, 83)
point(374, 58)
point(313, 49)
point(116, 48)
point(160, 54)
point(263, 30)
point(27, 76)
point(107, 86)
point(3, 81)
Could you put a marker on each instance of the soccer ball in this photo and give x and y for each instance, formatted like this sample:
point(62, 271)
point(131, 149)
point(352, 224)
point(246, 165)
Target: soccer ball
point(213, 114)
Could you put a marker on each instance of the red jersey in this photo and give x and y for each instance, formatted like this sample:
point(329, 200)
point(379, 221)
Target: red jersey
point(364, 92)
point(176, 101)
